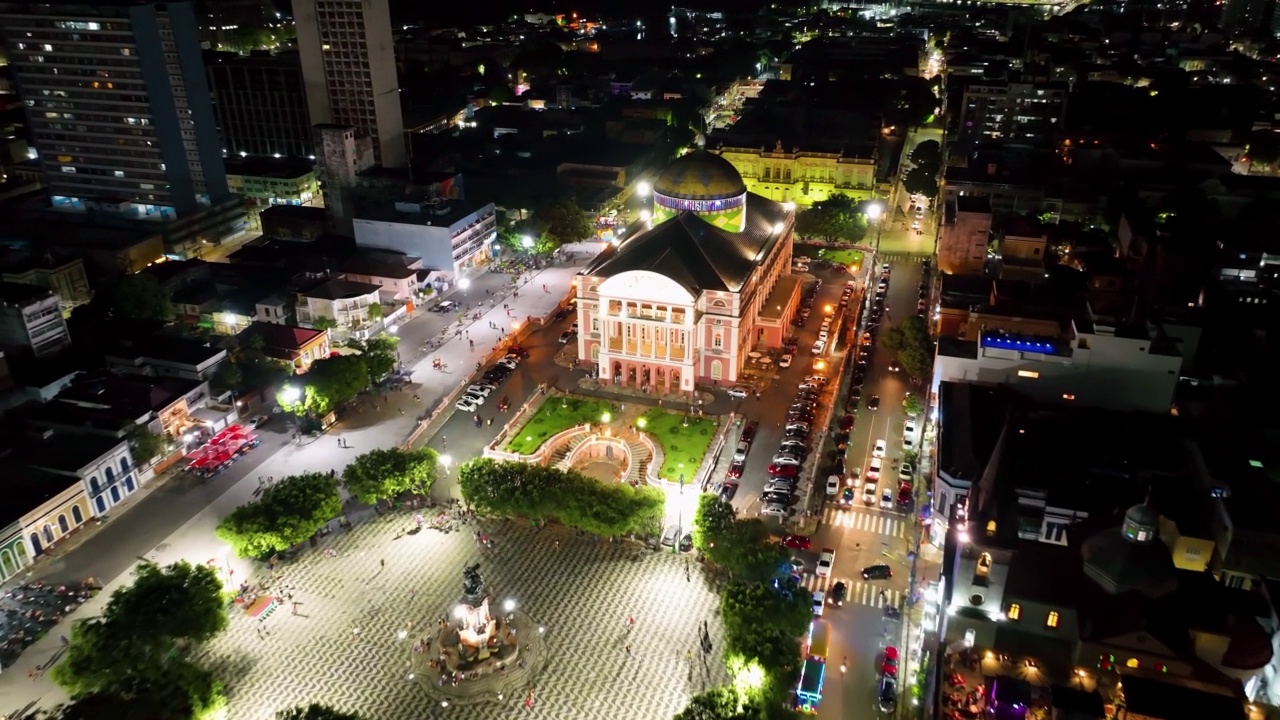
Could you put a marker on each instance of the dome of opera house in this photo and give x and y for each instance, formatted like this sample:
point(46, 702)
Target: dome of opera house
point(700, 175)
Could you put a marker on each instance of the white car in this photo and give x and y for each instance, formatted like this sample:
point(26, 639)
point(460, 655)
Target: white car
point(880, 448)
point(905, 471)
point(816, 379)
point(513, 358)
point(809, 387)
point(474, 397)
point(786, 361)
point(467, 403)
point(833, 485)
point(855, 477)
point(819, 347)
point(825, 561)
point(822, 337)
point(777, 510)
point(819, 599)
point(508, 364)
point(481, 390)
point(908, 442)
point(786, 459)
point(739, 392)
point(886, 499)
point(869, 493)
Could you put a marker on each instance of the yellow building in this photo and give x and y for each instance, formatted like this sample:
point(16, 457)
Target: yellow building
point(52, 506)
point(800, 176)
point(264, 183)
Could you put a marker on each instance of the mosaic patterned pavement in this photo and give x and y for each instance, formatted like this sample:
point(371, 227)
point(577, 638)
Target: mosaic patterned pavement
point(581, 590)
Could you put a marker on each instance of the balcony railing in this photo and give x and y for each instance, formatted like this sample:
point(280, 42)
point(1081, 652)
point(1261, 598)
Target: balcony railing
point(648, 350)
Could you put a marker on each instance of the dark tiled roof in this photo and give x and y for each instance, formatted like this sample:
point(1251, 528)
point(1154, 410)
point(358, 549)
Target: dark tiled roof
point(27, 488)
point(696, 254)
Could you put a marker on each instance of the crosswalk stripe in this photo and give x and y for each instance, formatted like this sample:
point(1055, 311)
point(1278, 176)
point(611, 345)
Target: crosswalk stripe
point(857, 591)
point(869, 521)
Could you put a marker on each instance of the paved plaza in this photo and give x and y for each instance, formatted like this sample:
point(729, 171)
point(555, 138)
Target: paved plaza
point(581, 590)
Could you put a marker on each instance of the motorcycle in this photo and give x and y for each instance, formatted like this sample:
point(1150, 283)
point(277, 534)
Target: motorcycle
point(503, 404)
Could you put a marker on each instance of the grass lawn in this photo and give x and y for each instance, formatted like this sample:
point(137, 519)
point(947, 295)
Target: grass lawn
point(841, 256)
point(556, 415)
point(680, 444)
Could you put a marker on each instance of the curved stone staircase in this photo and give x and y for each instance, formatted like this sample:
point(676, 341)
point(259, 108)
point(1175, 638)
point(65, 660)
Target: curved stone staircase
point(560, 458)
point(640, 459)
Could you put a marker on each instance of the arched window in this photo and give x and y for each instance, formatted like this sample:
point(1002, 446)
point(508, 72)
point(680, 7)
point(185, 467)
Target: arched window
point(36, 546)
point(719, 304)
point(48, 533)
point(93, 485)
point(124, 466)
point(76, 514)
point(991, 527)
point(63, 525)
point(111, 475)
point(717, 369)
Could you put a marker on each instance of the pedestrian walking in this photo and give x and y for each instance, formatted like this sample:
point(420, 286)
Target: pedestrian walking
point(382, 563)
point(630, 655)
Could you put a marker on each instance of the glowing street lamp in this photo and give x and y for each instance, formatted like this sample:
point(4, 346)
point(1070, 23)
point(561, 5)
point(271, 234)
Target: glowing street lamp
point(640, 423)
point(874, 211)
point(606, 417)
point(645, 215)
point(290, 394)
point(526, 241)
point(643, 189)
point(446, 461)
point(464, 283)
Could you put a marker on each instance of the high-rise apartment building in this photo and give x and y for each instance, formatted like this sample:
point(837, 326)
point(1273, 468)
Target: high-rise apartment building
point(349, 65)
point(261, 105)
point(117, 104)
point(1021, 112)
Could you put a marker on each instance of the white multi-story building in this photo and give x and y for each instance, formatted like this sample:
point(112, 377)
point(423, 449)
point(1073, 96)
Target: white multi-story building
point(31, 319)
point(685, 301)
point(1064, 356)
point(349, 68)
point(450, 236)
point(346, 302)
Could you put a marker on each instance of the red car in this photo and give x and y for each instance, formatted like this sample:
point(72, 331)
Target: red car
point(784, 470)
point(735, 470)
point(797, 542)
point(890, 665)
point(749, 432)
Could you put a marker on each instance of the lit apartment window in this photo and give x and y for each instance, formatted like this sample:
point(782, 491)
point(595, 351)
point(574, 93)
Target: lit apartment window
point(1132, 662)
point(1068, 396)
point(1015, 611)
point(1052, 620)
point(1028, 374)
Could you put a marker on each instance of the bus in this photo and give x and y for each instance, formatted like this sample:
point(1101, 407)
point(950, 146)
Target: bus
point(814, 671)
point(816, 643)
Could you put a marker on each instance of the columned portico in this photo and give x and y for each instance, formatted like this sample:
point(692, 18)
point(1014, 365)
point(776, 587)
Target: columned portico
point(646, 332)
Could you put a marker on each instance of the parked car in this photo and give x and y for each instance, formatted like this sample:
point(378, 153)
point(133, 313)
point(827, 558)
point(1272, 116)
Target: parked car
point(481, 390)
point(833, 485)
point(889, 662)
point(736, 470)
point(781, 497)
point(784, 470)
point(905, 472)
point(739, 392)
point(904, 494)
point(785, 360)
point(728, 490)
point(798, 426)
point(888, 694)
point(886, 499)
point(566, 336)
point(787, 459)
point(819, 347)
point(508, 364)
point(477, 399)
point(794, 447)
point(776, 510)
point(467, 404)
point(819, 603)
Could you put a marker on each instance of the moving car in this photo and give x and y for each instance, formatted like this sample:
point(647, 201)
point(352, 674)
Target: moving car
point(749, 432)
point(728, 490)
point(736, 470)
point(894, 366)
point(869, 492)
point(880, 448)
point(846, 497)
point(739, 392)
point(855, 478)
point(886, 499)
point(877, 572)
point(797, 542)
point(566, 336)
point(837, 593)
point(785, 361)
point(819, 603)
point(825, 561)
point(874, 402)
point(740, 452)
point(873, 469)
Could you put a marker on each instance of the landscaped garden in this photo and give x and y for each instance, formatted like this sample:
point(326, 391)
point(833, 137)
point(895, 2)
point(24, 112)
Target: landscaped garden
point(684, 440)
point(557, 414)
point(840, 256)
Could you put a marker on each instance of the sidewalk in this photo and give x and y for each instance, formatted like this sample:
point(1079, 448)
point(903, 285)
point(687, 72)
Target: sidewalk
point(379, 421)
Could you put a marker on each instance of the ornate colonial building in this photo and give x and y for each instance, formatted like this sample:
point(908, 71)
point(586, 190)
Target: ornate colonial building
point(685, 300)
point(803, 177)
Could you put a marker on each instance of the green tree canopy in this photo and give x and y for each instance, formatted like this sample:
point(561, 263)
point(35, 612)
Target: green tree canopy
point(144, 444)
point(386, 473)
point(577, 500)
point(835, 219)
point(922, 180)
point(712, 523)
point(288, 513)
point(132, 297)
point(315, 711)
point(1263, 147)
point(564, 222)
point(134, 650)
point(185, 691)
point(324, 322)
point(750, 609)
point(379, 355)
point(912, 405)
point(928, 153)
point(910, 341)
point(722, 703)
point(329, 383)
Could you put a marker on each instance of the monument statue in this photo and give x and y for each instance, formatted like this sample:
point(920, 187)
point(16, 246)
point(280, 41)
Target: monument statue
point(472, 582)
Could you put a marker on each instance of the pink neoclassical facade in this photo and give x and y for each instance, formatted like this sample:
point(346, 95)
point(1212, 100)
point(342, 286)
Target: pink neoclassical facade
point(683, 302)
